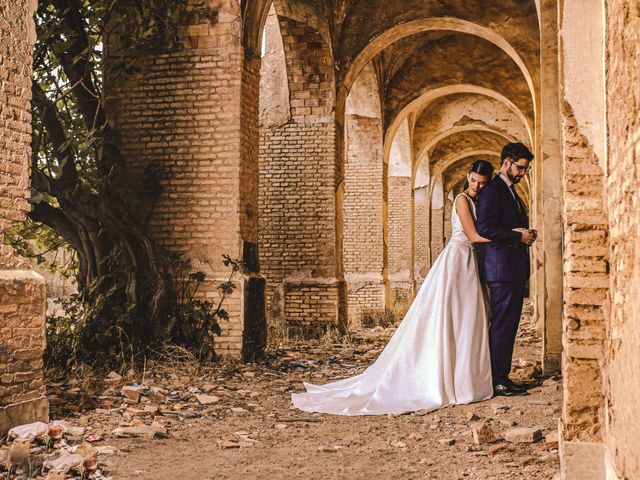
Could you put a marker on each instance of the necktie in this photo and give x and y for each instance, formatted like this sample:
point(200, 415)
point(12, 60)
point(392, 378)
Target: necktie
point(516, 197)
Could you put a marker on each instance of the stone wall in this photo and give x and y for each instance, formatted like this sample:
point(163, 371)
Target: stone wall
point(22, 292)
point(297, 200)
point(363, 231)
point(194, 111)
point(623, 158)
point(400, 238)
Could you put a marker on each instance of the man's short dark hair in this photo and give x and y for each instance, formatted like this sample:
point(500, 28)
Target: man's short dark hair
point(516, 151)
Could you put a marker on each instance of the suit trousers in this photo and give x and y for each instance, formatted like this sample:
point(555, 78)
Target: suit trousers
point(506, 300)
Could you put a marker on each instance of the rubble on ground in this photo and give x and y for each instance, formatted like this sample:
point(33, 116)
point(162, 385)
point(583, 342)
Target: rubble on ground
point(103, 428)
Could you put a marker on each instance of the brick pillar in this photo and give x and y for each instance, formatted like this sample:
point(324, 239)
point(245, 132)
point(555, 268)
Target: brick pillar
point(448, 206)
point(549, 168)
point(421, 236)
point(363, 216)
point(586, 241)
point(437, 219)
point(22, 291)
point(298, 184)
point(195, 111)
point(400, 238)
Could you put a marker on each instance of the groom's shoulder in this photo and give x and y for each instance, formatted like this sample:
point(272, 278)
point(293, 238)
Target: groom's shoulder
point(491, 186)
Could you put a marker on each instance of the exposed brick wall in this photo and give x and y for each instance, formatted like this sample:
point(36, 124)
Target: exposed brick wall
point(22, 300)
point(400, 237)
point(16, 43)
point(22, 292)
point(362, 243)
point(586, 284)
point(421, 241)
point(363, 229)
point(437, 232)
point(623, 119)
point(194, 111)
point(297, 201)
point(448, 205)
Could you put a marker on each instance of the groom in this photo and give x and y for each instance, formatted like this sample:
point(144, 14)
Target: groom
point(504, 262)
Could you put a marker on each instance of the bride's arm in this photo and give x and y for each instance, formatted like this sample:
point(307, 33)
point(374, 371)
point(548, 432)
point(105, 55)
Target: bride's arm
point(467, 221)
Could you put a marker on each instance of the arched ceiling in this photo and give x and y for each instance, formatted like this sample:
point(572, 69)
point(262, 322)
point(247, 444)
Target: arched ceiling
point(453, 59)
point(464, 73)
point(451, 145)
point(465, 111)
point(515, 21)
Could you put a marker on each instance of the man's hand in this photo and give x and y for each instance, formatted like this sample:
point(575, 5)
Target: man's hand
point(528, 236)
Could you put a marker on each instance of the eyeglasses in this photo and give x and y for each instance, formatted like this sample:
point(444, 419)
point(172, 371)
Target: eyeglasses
point(521, 168)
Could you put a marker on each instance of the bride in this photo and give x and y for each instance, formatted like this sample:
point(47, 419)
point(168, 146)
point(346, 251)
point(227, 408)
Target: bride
point(439, 354)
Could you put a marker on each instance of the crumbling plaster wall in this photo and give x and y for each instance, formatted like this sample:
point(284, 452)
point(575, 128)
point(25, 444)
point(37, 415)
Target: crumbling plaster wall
point(586, 239)
point(623, 177)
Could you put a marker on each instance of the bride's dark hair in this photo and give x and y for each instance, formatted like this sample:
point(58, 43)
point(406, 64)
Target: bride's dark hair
point(481, 167)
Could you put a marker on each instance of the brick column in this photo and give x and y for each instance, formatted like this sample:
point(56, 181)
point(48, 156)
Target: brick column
point(22, 291)
point(437, 219)
point(421, 235)
point(298, 185)
point(448, 206)
point(363, 199)
point(195, 111)
point(400, 238)
point(549, 244)
point(586, 241)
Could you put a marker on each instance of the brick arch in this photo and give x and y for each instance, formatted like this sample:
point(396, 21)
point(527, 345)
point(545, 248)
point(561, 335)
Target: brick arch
point(254, 16)
point(450, 145)
point(465, 109)
point(422, 101)
point(478, 62)
point(473, 152)
point(392, 35)
point(301, 189)
point(310, 71)
point(423, 154)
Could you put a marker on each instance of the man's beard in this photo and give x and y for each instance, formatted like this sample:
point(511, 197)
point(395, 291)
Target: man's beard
point(512, 177)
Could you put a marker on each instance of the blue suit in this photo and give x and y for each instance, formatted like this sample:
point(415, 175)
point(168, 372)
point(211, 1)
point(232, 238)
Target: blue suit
point(504, 266)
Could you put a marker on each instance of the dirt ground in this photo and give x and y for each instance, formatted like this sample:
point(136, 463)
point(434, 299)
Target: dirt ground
point(234, 421)
point(264, 438)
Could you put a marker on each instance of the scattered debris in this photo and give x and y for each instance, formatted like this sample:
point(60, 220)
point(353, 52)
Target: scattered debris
point(523, 435)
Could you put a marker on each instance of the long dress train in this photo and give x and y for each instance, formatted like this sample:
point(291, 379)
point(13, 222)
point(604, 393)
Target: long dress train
point(438, 355)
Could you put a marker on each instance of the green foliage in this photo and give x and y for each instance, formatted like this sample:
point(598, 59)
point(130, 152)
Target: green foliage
point(44, 246)
point(194, 323)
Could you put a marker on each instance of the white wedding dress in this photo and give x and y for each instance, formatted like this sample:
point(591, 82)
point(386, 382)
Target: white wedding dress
point(439, 354)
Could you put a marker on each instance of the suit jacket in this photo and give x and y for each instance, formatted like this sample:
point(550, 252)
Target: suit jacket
point(506, 258)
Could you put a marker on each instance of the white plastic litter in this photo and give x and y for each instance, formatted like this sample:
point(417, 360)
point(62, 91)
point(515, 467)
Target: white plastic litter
point(64, 462)
point(29, 430)
point(68, 428)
